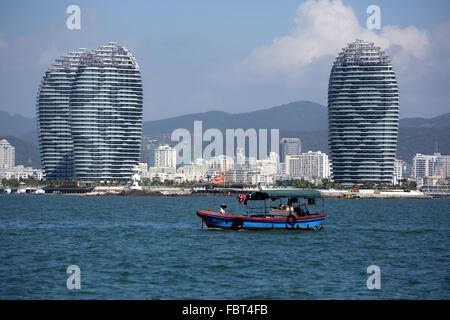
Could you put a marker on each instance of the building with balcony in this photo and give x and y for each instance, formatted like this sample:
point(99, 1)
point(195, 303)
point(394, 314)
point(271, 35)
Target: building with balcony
point(363, 115)
point(89, 115)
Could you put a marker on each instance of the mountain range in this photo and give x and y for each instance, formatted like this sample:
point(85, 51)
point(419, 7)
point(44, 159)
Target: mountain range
point(304, 119)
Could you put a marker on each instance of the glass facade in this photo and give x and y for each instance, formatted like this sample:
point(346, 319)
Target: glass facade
point(89, 114)
point(363, 115)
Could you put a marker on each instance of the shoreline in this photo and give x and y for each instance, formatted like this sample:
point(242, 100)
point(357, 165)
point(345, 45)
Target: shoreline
point(180, 192)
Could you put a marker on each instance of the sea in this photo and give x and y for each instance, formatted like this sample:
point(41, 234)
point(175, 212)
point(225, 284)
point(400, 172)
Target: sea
point(155, 248)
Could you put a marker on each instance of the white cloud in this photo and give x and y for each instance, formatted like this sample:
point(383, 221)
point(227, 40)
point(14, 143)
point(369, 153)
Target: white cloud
point(297, 66)
point(321, 29)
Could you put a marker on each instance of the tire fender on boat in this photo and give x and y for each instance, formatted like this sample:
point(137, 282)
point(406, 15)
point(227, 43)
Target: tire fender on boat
point(237, 223)
point(290, 222)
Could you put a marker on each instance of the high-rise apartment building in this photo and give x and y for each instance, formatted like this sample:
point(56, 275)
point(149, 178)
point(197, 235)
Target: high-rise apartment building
point(89, 114)
point(363, 112)
point(7, 155)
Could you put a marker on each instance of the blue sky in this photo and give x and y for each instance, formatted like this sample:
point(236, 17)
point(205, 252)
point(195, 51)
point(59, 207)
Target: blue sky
point(233, 56)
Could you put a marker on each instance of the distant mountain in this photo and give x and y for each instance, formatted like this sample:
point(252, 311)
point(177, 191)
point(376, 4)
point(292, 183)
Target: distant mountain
point(411, 140)
point(309, 121)
point(304, 119)
point(21, 132)
point(30, 137)
point(424, 140)
point(15, 125)
point(298, 116)
point(441, 121)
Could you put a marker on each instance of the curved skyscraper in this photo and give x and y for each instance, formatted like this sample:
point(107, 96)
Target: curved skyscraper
point(363, 112)
point(89, 114)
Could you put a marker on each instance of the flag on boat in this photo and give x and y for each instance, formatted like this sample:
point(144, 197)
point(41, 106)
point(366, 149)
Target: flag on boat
point(242, 198)
point(219, 179)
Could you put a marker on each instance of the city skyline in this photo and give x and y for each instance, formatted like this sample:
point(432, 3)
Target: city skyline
point(230, 72)
point(384, 38)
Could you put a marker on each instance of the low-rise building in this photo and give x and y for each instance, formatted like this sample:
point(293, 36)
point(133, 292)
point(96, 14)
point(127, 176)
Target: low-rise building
point(165, 157)
point(20, 172)
point(430, 165)
point(399, 165)
point(309, 165)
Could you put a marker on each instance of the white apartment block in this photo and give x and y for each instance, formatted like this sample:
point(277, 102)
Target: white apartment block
point(142, 170)
point(221, 163)
point(309, 165)
point(424, 166)
point(193, 172)
point(7, 155)
point(165, 157)
point(398, 170)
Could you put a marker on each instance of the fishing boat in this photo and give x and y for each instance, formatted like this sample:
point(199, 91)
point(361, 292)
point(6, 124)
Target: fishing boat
point(291, 209)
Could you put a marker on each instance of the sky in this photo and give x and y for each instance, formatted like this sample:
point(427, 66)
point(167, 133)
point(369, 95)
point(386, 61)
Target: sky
point(229, 55)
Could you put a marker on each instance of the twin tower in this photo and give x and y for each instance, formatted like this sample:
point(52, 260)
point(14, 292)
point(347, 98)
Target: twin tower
point(90, 105)
point(89, 114)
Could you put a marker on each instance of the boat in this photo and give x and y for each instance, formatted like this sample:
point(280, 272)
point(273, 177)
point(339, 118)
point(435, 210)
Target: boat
point(291, 209)
point(351, 196)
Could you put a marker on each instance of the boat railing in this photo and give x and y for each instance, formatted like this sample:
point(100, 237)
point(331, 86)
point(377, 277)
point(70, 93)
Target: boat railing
point(255, 211)
point(301, 203)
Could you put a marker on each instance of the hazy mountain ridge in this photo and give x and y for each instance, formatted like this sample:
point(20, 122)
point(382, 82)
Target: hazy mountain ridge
point(15, 125)
point(304, 119)
point(441, 121)
point(300, 115)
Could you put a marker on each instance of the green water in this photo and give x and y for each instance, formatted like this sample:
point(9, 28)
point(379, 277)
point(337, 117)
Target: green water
point(155, 248)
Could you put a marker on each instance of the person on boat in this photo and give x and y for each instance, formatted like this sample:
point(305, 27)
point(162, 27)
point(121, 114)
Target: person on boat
point(222, 208)
point(298, 211)
point(305, 211)
point(289, 205)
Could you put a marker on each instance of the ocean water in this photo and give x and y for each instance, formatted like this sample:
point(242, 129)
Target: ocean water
point(155, 248)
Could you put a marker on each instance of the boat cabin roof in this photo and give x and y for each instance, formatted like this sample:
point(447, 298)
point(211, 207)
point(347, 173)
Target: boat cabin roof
point(293, 193)
point(285, 193)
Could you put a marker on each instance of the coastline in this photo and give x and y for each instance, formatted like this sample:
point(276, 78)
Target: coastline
point(187, 192)
point(174, 191)
point(157, 191)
